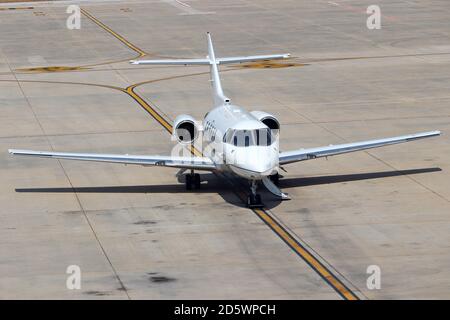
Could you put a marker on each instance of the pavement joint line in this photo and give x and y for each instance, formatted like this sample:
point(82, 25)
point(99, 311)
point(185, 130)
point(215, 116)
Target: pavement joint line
point(312, 261)
point(286, 236)
point(75, 134)
point(91, 227)
point(306, 255)
point(317, 255)
point(319, 124)
point(264, 215)
point(409, 177)
point(81, 68)
point(305, 251)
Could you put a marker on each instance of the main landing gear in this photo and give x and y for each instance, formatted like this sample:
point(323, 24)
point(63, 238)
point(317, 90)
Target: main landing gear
point(192, 181)
point(254, 199)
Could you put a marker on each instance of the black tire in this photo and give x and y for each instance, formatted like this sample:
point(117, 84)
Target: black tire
point(188, 182)
point(197, 181)
point(249, 201)
point(254, 201)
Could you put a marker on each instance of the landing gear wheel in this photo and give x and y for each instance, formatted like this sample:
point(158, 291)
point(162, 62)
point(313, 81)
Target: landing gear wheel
point(250, 200)
point(188, 182)
point(193, 181)
point(254, 201)
point(197, 181)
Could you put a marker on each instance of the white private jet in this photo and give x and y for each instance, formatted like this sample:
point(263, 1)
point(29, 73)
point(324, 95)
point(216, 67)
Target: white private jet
point(240, 142)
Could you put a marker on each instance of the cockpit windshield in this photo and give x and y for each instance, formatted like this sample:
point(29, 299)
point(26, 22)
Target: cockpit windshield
point(247, 138)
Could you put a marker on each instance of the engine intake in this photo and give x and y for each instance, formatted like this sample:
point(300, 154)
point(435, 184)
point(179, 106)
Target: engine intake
point(185, 129)
point(268, 119)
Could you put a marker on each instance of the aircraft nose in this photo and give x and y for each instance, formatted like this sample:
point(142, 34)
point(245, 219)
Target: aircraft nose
point(255, 163)
point(263, 164)
point(263, 167)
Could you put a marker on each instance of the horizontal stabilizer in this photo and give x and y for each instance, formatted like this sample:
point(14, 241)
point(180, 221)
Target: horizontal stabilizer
point(207, 61)
point(252, 58)
point(176, 62)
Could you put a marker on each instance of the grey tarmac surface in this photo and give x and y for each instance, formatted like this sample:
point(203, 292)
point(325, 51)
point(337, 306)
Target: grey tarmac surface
point(136, 233)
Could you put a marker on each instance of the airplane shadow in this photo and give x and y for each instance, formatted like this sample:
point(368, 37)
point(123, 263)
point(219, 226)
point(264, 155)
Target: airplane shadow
point(297, 182)
point(212, 184)
point(309, 181)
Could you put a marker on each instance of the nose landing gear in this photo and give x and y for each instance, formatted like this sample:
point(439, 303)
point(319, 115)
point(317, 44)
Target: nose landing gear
point(254, 199)
point(192, 181)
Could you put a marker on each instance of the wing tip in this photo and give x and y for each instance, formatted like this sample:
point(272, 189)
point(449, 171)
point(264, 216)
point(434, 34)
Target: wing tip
point(433, 133)
point(25, 152)
point(427, 134)
point(15, 151)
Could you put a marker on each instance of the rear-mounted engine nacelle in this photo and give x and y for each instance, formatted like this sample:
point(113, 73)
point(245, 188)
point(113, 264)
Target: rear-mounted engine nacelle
point(185, 129)
point(268, 119)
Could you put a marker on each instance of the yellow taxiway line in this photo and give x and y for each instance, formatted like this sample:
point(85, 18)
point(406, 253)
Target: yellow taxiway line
point(306, 255)
point(262, 213)
point(115, 34)
point(276, 227)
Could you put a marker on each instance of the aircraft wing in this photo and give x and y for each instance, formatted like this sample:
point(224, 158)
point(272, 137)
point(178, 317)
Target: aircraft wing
point(197, 163)
point(331, 150)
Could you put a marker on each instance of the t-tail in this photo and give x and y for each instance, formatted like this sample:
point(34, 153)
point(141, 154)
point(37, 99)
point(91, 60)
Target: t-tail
point(219, 97)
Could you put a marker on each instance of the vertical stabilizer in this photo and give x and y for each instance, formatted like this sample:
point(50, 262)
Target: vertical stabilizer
point(219, 97)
